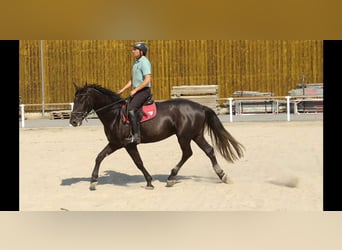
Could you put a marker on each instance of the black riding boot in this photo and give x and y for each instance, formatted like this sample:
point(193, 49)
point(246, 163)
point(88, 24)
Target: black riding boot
point(135, 138)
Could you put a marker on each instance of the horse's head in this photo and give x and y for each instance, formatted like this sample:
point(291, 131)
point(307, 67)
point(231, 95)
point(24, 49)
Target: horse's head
point(93, 97)
point(82, 106)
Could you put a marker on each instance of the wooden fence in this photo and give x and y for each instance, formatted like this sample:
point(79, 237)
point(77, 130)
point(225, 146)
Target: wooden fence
point(204, 94)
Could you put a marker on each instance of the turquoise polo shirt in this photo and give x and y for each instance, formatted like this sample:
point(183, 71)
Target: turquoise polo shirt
point(141, 68)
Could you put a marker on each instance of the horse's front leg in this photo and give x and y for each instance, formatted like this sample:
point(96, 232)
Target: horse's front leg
point(105, 152)
point(133, 152)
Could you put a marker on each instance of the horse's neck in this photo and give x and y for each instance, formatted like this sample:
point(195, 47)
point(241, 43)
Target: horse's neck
point(101, 101)
point(107, 113)
point(101, 107)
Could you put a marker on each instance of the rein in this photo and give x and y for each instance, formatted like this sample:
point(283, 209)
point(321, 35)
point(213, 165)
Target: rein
point(85, 114)
point(108, 105)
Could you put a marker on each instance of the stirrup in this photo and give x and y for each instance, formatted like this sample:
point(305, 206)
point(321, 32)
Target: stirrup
point(133, 139)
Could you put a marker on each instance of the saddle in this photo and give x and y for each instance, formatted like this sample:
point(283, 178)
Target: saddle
point(147, 112)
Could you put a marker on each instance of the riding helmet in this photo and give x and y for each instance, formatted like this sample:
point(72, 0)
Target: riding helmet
point(141, 46)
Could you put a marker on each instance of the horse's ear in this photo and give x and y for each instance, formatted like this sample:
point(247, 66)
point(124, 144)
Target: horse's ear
point(86, 84)
point(76, 87)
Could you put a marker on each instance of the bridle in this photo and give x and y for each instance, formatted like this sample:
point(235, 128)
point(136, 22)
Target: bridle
point(86, 113)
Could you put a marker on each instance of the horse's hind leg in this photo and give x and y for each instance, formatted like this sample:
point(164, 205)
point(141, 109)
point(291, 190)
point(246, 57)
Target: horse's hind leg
point(209, 151)
point(186, 153)
point(105, 152)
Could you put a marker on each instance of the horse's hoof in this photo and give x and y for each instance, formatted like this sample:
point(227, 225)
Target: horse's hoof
point(170, 183)
point(226, 179)
point(149, 187)
point(92, 186)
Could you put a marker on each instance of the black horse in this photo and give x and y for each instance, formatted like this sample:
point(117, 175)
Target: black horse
point(181, 117)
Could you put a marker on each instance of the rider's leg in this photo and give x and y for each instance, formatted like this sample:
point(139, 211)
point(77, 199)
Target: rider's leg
point(135, 138)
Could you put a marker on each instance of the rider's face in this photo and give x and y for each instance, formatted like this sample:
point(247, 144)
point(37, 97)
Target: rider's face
point(136, 53)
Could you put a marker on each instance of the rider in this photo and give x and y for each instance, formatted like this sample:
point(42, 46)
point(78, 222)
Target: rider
point(140, 83)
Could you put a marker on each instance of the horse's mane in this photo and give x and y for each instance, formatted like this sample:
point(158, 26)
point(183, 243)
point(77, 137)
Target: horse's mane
point(103, 90)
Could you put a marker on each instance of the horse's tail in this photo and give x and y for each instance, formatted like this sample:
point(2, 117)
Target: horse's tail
point(226, 144)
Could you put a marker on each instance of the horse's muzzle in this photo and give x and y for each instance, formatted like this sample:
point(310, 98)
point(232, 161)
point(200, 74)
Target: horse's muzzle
point(75, 121)
point(75, 124)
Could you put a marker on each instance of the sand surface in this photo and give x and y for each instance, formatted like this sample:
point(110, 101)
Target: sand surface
point(282, 170)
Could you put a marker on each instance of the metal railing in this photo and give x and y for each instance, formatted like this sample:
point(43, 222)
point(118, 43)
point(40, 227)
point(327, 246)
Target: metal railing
point(22, 109)
point(231, 102)
point(289, 99)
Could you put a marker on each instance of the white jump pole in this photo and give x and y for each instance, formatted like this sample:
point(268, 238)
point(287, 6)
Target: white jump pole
point(288, 107)
point(230, 109)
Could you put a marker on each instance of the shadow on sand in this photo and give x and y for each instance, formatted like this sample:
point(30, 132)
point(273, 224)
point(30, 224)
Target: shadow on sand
point(120, 179)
